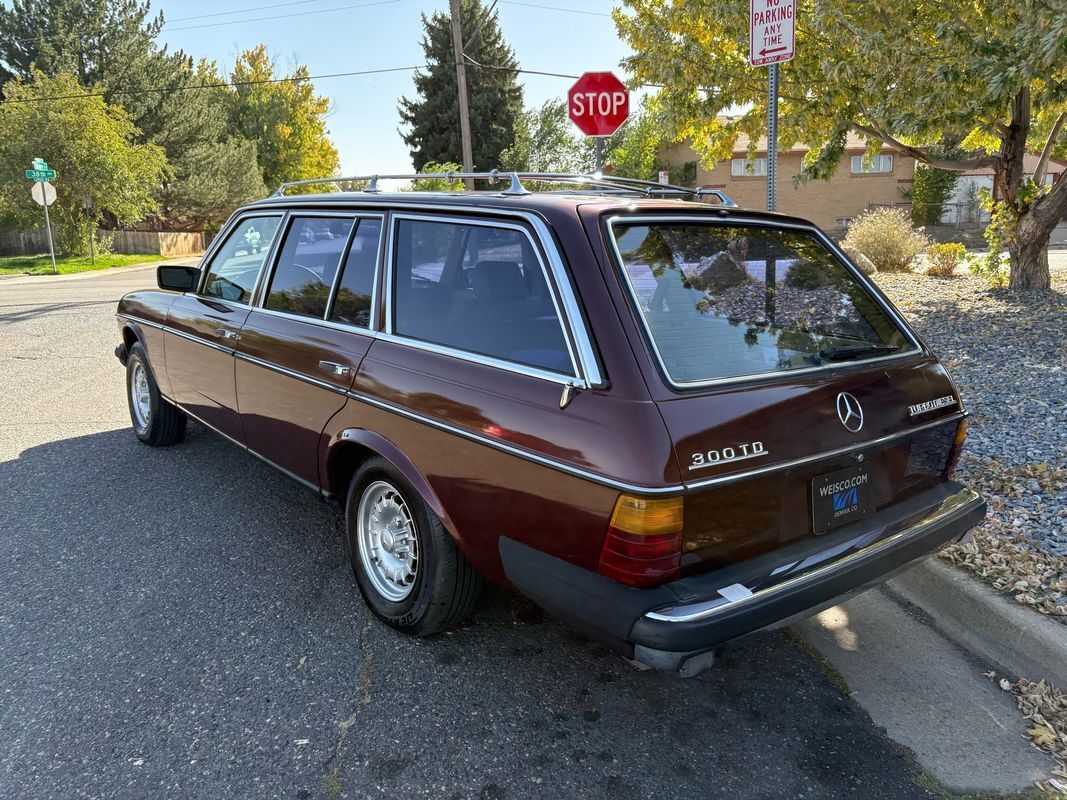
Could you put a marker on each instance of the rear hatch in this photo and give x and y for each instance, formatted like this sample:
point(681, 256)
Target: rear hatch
point(797, 400)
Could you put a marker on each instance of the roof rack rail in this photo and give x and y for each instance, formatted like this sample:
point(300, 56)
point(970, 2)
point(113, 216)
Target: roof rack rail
point(514, 180)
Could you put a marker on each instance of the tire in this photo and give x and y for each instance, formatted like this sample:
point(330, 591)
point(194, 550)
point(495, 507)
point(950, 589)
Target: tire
point(156, 422)
point(437, 587)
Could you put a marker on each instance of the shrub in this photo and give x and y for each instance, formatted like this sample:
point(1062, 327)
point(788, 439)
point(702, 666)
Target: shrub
point(944, 258)
point(886, 237)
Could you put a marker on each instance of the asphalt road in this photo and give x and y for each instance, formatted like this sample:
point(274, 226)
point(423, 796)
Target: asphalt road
point(182, 622)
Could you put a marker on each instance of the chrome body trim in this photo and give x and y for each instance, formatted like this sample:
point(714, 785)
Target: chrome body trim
point(741, 221)
point(551, 280)
point(305, 483)
point(840, 451)
point(139, 320)
point(199, 340)
point(951, 506)
point(517, 451)
point(300, 376)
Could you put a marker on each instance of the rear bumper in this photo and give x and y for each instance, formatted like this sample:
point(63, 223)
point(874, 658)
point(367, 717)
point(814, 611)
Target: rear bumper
point(667, 625)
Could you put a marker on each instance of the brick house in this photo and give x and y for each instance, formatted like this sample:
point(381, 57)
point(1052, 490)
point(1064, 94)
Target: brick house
point(830, 204)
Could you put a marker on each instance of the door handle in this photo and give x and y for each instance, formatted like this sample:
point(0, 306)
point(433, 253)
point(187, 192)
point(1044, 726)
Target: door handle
point(335, 368)
point(226, 333)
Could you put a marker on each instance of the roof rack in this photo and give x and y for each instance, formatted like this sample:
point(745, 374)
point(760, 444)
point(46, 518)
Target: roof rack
point(595, 181)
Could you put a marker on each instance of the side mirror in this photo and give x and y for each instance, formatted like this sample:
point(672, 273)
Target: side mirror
point(177, 278)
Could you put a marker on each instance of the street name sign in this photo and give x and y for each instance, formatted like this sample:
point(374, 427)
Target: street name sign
point(598, 103)
point(771, 31)
point(40, 174)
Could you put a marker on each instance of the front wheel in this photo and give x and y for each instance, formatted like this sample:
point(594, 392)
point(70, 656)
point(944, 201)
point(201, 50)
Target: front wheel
point(155, 421)
point(408, 569)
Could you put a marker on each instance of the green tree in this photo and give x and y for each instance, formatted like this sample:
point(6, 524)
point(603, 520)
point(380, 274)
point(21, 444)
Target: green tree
point(930, 190)
point(495, 98)
point(989, 75)
point(93, 147)
point(103, 42)
point(286, 120)
point(547, 141)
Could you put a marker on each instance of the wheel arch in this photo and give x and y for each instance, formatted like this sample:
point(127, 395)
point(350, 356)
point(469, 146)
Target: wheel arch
point(352, 447)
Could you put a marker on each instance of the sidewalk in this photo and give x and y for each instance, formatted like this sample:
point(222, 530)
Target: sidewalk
point(928, 694)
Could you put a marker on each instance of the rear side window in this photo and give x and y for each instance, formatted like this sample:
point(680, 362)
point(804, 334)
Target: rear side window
point(356, 288)
point(721, 301)
point(235, 267)
point(477, 288)
point(308, 265)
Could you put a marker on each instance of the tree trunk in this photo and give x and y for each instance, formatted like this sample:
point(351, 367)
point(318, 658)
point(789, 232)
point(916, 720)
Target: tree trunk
point(1029, 253)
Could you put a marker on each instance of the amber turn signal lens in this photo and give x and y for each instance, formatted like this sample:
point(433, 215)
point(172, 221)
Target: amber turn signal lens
point(957, 448)
point(646, 517)
point(643, 546)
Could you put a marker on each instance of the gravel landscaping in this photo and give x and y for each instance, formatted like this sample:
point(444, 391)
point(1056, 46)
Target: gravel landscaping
point(1007, 354)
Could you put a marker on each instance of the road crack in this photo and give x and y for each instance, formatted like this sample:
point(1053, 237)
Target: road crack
point(331, 782)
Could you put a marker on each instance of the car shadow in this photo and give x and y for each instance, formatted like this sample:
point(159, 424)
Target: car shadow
point(185, 617)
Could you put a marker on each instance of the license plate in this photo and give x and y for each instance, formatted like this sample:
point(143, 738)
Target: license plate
point(840, 498)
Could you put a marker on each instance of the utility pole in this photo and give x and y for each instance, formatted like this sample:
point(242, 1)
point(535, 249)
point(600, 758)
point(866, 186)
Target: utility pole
point(461, 87)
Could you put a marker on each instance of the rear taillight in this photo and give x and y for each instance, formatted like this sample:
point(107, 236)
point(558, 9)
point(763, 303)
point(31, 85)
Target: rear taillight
point(957, 448)
point(644, 542)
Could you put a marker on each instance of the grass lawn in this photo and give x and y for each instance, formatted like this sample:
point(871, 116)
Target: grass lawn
point(42, 264)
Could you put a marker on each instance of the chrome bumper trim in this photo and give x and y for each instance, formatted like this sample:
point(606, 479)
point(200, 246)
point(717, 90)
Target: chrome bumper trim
point(952, 506)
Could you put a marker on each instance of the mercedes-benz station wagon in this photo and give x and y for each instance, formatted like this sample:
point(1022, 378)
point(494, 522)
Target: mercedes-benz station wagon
point(670, 421)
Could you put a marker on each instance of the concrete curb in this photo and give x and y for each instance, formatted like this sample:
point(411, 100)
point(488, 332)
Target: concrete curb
point(1011, 638)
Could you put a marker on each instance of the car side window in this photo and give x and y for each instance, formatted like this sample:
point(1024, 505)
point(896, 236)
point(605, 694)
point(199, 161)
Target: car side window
point(235, 266)
point(307, 265)
point(476, 288)
point(352, 304)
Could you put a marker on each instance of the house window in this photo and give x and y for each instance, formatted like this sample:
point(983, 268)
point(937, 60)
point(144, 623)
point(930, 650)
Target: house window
point(875, 164)
point(744, 167)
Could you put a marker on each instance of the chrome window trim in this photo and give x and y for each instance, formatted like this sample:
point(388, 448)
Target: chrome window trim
point(476, 358)
point(575, 333)
point(840, 451)
point(216, 244)
point(637, 219)
point(574, 317)
point(951, 506)
point(300, 376)
point(323, 323)
point(372, 327)
point(578, 375)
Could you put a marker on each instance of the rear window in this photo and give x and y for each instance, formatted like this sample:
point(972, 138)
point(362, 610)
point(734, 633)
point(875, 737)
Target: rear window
point(721, 301)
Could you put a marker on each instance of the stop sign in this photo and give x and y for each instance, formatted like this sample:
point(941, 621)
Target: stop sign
point(598, 103)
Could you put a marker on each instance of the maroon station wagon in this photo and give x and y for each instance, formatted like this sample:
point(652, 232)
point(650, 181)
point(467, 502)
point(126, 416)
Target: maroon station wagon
point(670, 422)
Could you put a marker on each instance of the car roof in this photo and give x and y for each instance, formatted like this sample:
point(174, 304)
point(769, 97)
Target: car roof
point(544, 202)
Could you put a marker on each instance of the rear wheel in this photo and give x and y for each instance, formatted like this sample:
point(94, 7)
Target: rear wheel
point(155, 421)
point(407, 567)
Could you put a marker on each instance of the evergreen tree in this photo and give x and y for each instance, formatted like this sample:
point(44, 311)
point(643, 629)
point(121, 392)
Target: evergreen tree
point(495, 97)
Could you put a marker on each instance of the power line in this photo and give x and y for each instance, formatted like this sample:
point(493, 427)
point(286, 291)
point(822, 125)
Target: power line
point(556, 8)
point(282, 16)
point(216, 85)
point(240, 11)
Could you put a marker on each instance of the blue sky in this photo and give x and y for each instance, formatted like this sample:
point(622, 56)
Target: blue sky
point(364, 121)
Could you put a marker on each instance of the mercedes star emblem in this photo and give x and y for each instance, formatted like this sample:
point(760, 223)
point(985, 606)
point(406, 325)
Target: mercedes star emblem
point(850, 412)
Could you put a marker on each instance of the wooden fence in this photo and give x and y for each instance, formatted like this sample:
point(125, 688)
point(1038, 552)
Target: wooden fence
point(165, 244)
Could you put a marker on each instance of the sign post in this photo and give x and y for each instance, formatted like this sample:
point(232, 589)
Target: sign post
point(598, 103)
point(771, 40)
point(44, 194)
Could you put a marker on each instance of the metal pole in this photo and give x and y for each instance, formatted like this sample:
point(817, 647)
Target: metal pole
point(48, 227)
point(598, 151)
point(89, 230)
point(461, 88)
point(772, 138)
